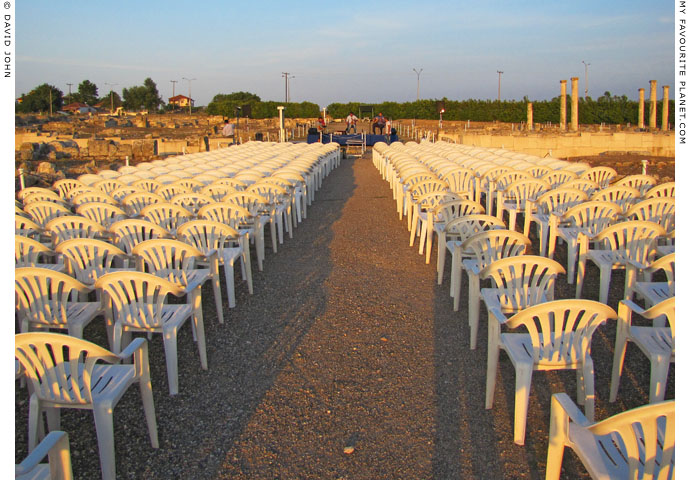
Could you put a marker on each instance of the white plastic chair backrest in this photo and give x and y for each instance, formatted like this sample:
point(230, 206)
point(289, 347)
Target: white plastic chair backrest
point(562, 329)
point(192, 201)
point(172, 258)
point(559, 200)
point(525, 279)
point(667, 189)
point(89, 258)
point(27, 251)
point(66, 227)
point(448, 211)
point(629, 432)
point(42, 212)
point(42, 294)
point(207, 235)
point(492, 245)
point(93, 196)
point(108, 185)
point(170, 190)
point(102, 213)
point(592, 217)
point(132, 231)
point(137, 298)
point(231, 214)
point(658, 210)
point(642, 183)
point(556, 178)
point(65, 185)
point(637, 238)
point(60, 367)
point(602, 176)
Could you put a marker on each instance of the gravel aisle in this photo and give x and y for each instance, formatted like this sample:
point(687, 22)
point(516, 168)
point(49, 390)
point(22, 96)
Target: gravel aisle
point(347, 362)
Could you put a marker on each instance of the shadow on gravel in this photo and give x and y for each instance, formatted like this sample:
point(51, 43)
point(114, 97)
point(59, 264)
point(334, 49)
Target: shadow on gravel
point(199, 426)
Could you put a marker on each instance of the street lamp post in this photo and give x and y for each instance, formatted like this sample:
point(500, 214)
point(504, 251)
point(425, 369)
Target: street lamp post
point(418, 74)
point(586, 78)
point(499, 84)
point(111, 95)
point(173, 82)
point(190, 92)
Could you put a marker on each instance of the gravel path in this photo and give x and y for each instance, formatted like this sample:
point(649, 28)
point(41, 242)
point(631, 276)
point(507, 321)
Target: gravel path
point(347, 362)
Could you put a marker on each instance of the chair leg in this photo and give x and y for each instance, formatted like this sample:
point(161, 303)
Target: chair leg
point(170, 347)
point(103, 417)
point(658, 377)
point(523, 381)
point(473, 304)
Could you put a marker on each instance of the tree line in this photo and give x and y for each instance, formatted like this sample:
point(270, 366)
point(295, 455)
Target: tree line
point(608, 109)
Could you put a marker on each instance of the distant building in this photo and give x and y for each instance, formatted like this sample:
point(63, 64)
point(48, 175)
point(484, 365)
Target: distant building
point(78, 107)
point(180, 101)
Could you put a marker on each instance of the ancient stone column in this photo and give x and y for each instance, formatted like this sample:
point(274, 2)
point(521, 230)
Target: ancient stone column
point(652, 104)
point(640, 110)
point(574, 98)
point(563, 104)
point(664, 111)
point(529, 117)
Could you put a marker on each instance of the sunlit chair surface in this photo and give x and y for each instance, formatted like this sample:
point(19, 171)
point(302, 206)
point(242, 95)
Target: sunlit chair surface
point(67, 227)
point(29, 253)
point(43, 212)
point(483, 249)
point(657, 342)
point(559, 337)
point(614, 448)
point(167, 215)
point(102, 213)
point(136, 302)
point(551, 203)
point(88, 258)
point(587, 218)
point(518, 282)
point(623, 243)
point(132, 231)
point(43, 301)
point(177, 261)
point(653, 292)
point(602, 176)
point(209, 236)
point(55, 446)
point(642, 183)
point(68, 372)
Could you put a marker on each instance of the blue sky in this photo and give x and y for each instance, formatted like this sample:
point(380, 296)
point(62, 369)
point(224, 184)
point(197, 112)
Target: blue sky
point(347, 51)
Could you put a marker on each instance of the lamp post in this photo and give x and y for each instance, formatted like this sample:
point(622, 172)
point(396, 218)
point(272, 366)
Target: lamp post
point(190, 92)
point(586, 78)
point(111, 95)
point(418, 74)
point(173, 96)
point(499, 84)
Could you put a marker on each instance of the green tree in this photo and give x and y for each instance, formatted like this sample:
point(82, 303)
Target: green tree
point(142, 97)
point(39, 100)
point(86, 93)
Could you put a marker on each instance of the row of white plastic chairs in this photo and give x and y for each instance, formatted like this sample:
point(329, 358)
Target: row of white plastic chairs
point(546, 270)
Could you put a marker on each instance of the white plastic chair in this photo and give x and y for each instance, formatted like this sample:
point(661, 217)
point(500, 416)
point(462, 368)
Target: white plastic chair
point(621, 244)
point(135, 302)
point(43, 301)
point(559, 337)
point(616, 447)
point(68, 372)
point(55, 446)
point(657, 342)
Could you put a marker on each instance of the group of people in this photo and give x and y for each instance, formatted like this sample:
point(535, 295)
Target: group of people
point(379, 122)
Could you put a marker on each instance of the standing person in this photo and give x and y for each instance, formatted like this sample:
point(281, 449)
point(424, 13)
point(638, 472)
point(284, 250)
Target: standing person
point(380, 123)
point(229, 130)
point(351, 121)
